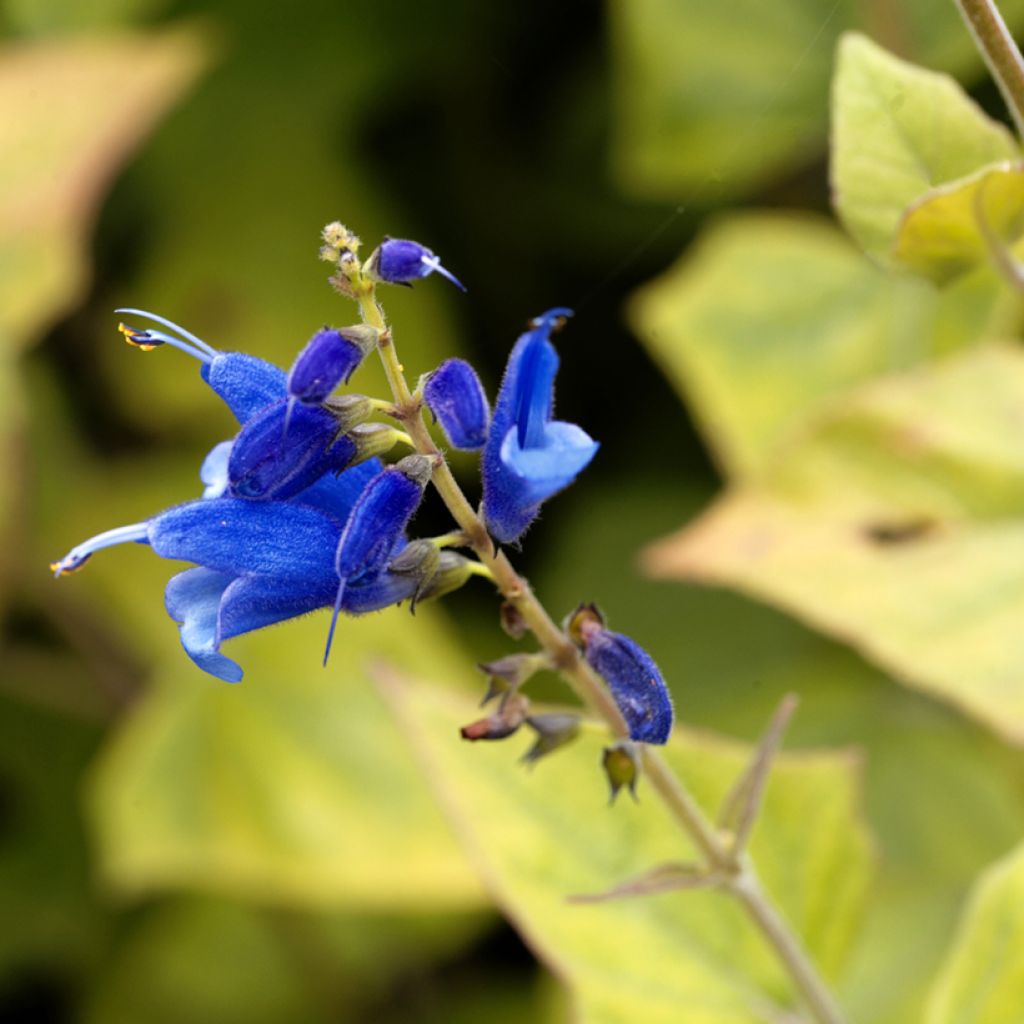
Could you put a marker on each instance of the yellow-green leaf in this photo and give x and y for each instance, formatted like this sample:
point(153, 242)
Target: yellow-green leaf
point(943, 234)
point(539, 836)
point(294, 786)
point(982, 980)
point(75, 109)
point(771, 315)
point(897, 131)
point(896, 524)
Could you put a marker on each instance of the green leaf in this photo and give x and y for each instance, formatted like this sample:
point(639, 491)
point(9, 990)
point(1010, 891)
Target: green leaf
point(943, 234)
point(772, 315)
point(293, 786)
point(75, 110)
point(895, 525)
point(982, 980)
point(898, 131)
point(542, 835)
point(712, 99)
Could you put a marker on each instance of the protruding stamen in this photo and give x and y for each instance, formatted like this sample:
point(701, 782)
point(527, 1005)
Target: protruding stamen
point(435, 265)
point(139, 339)
point(171, 325)
point(79, 555)
point(150, 339)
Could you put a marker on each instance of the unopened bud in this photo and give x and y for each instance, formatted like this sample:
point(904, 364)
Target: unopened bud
point(512, 621)
point(373, 439)
point(349, 410)
point(337, 237)
point(455, 396)
point(453, 571)
point(583, 622)
point(505, 721)
point(510, 672)
point(553, 731)
point(419, 560)
point(621, 763)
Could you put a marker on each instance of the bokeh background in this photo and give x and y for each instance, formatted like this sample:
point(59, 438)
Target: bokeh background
point(173, 849)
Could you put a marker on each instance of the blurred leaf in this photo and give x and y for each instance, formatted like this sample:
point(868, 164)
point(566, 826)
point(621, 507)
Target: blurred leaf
point(293, 787)
point(982, 981)
point(897, 131)
point(48, 17)
point(729, 661)
point(773, 314)
point(895, 525)
point(49, 917)
point(940, 235)
point(540, 839)
point(713, 98)
point(82, 106)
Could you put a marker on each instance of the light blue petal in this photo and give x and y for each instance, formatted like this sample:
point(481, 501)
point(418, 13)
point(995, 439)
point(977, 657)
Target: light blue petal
point(565, 451)
point(252, 602)
point(214, 471)
point(193, 599)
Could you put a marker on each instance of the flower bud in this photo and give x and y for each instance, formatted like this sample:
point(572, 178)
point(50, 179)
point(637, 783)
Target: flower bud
point(399, 261)
point(512, 621)
point(553, 731)
point(420, 561)
point(631, 674)
point(455, 396)
point(372, 439)
point(509, 673)
point(505, 721)
point(621, 763)
point(453, 571)
point(266, 462)
point(349, 410)
point(330, 357)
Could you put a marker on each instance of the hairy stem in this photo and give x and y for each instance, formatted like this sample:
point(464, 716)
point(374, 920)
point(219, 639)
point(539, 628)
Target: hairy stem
point(734, 874)
point(1000, 52)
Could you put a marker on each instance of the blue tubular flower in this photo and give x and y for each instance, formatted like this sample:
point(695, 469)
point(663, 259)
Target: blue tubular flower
point(400, 261)
point(634, 680)
point(529, 456)
point(456, 397)
point(330, 358)
point(245, 383)
point(266, 462)
point(375, 529)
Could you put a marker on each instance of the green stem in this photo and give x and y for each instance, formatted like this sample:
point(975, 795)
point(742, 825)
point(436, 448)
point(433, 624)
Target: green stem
point(1000, 52)
point(737, 876)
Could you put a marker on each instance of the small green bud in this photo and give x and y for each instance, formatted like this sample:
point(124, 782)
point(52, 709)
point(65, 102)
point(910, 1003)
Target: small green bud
point(621, 763)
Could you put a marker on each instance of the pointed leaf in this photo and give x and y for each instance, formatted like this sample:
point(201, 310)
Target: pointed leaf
point(770, 316)
point(897, 131)
point(895, 525)
point(538, 837)
point(940, 235)
point(982, 980)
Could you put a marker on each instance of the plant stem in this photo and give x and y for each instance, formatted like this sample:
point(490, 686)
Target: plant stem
point(1001, 54)
point(734, 874)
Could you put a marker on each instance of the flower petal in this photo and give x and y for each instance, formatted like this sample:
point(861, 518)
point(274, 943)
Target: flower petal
point(245, 383)
point(274, 538)
point(565, 451)
point(214, 471)
point(193, 599)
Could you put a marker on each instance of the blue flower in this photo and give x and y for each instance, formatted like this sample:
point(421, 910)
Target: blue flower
point(529, 456)
point(401, 261)
point(259, 561)
point(455, 396)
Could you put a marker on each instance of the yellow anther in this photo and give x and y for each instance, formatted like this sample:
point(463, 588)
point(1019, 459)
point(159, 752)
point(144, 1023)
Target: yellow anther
point(132, 337)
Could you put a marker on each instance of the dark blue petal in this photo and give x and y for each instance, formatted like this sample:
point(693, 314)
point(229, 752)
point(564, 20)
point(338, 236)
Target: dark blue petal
point(268, 461)
point(400, 260)
point(328, 359)
point(378, 521)
point(456, 397)
point(381, 591)
point(193, 599)
point(337, 494)
point(245, 383)
point(252, 602)
point(635, 683)
point(273, 538)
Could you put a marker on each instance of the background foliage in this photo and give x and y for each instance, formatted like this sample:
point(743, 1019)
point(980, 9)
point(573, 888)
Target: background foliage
point(172, 848)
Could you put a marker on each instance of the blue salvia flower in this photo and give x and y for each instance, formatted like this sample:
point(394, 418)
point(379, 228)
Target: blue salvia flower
point(374, 532)
point(529, 456)
point(257, 562)
point(401, 261)
point(455, 396)
point(635, 681)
